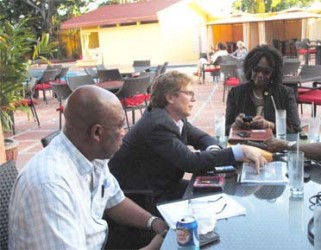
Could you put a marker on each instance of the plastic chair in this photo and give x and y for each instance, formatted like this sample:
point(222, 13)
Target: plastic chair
point(105, 75)
point(8, 175)
point(230, 77)
point(77, 81)
point(43, 83)
point(132, 95)
point(61, 91)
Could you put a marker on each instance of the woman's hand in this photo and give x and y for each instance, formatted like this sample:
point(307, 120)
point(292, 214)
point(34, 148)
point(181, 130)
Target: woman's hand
point(240, 124)
point(259, 122)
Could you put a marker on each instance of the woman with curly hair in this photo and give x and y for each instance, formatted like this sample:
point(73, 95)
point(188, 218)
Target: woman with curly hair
point(263, 70)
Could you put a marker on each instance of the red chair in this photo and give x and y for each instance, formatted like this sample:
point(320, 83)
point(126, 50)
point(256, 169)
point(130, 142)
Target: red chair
point(132, 95)
point(310, 96)
point(43, 83)
point(303, 49)
point(213, 68)
point(230, 77)
point(27, 101)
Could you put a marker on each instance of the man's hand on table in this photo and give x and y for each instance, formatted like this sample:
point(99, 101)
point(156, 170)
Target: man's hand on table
point(254, 155)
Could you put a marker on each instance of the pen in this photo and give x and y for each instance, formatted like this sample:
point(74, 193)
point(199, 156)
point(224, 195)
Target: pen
point(103, 186)
point(102, 191)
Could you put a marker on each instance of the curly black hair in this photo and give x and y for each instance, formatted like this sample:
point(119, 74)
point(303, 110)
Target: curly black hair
point(273, 57)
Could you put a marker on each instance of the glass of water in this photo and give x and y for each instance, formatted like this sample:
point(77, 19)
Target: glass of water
point(296, 172)
point(280, 122)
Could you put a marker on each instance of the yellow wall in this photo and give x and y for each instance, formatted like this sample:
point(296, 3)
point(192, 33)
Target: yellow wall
point(227, 33)
point(173, 39)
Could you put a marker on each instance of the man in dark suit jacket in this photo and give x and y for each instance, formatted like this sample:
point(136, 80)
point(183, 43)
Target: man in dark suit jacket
point(154, 153)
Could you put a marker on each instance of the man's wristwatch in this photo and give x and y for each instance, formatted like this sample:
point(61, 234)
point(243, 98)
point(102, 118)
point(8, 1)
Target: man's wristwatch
point(291, 145)
point(150, 221)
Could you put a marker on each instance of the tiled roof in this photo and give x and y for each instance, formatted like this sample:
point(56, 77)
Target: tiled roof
point(119, 14)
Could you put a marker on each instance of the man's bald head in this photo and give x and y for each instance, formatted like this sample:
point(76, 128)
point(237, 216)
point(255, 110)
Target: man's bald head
point(88, 105)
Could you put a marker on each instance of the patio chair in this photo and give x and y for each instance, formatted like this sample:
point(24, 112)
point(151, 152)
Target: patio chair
point(57, 67)
point(105, 75)
point(27, 101)
point(164, 68)
point(48, 138)
point(43, 84)
point(61, 91)
point(62, 74)
point(77, 81)
point(132, 95)
point(308, 74)
point(304, 49)
point(141, 65)
point(92, 72)
point(230, 77)
point(8, 175)
point(213, 69)
point(291, 66)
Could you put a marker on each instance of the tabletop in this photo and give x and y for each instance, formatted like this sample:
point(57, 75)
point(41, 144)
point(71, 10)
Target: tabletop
point(273, 220)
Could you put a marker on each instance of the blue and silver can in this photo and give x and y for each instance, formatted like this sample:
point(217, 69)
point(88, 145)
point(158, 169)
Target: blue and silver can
point(186, 232)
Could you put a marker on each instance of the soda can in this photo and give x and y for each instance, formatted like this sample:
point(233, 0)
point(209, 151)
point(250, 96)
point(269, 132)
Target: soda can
point(186, 232)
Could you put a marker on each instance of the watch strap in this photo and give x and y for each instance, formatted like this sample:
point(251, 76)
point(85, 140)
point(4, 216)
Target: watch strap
point(150, 221)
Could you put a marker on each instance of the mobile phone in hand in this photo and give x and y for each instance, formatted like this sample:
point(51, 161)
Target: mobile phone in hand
point(247, 118)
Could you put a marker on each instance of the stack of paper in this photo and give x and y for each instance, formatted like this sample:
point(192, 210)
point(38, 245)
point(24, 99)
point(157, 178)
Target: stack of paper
point(222, 205)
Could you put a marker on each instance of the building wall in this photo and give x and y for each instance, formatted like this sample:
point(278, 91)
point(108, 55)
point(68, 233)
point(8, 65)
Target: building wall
point(176, 38)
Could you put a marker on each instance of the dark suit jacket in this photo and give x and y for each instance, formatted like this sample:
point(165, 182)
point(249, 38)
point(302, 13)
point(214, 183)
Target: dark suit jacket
point(154, 154)
point(239, 101)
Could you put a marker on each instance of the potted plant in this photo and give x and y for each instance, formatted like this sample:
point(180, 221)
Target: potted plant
point(18, 45)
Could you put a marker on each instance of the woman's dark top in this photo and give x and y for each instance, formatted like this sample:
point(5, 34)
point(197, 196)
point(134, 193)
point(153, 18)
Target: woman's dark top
point(239, 101)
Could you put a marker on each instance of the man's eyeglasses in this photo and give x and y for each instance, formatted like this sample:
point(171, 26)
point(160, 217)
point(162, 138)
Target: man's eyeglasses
point(189, 93)
point(264, 71)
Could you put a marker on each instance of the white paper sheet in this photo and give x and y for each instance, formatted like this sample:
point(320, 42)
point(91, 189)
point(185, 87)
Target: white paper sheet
point(174, 211)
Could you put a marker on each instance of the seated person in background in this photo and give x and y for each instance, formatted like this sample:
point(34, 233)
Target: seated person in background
point(221, 51)
point(311, 150)
point(60, 196)
point(155, 153)
point(199, 70)
point(263, 70)
point(241, 52)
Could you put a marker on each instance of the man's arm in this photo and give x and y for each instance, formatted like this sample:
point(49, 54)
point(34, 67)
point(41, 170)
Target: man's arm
point(311, 150)
point(129, 213)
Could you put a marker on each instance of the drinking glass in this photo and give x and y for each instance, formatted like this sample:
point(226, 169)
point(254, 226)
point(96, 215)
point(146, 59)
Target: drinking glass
point(202, 212)
point(220, 126)
point(280, 122)
point(314, 129)
point(296, 173)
